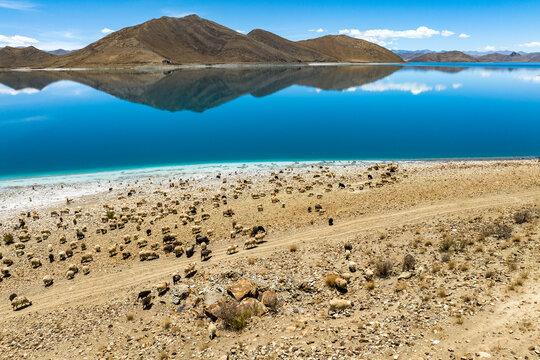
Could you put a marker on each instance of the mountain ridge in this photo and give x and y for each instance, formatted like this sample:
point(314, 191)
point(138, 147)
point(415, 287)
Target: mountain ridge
point(192, 40)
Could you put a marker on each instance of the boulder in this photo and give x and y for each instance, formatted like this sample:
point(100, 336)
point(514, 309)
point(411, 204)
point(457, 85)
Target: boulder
point(405, 275)
point(252, 307)
point(180, 293)
point(269, 299)
point(242, 289)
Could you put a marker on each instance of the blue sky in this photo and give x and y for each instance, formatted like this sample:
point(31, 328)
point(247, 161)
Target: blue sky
point(397, 24)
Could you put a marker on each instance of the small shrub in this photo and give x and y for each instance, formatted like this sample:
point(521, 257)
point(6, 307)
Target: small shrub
point(464, 267)
point(479, 248)
point(293, 248)
point(163, 355)
point(501, 231)
point(441, 292)
point(401, 285)
point(446, 244)
point(251, 261)
point(383, 268)
point(382, 236)
point(370, 284)
point(330, 280)
point(522, 217)
point(110, 215)
point(130, 316)
point(232, 316)
point(490, 274)
point(166, 323)
point(511, 263)
point(459, 320)
point(445, 258)
point(428, 242)
point(452, 264)
point(8, 238)
point(435, 268)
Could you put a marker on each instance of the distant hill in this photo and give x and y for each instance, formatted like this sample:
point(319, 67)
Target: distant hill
point(497, 57)
point(292, 49)
point(449, 56)
point(348, 49)
point(22, 57)
point(411, 54)
point(60, 52)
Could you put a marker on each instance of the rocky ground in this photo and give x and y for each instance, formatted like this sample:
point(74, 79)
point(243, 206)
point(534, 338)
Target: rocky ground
point(427, 260)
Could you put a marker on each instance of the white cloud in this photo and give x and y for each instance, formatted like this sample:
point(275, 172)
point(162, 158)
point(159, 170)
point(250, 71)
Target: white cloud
point(4, 90)
point(16, 5)
point(464, 36)
point(447, 33)
point(489, 48)
point(240, 31)
point(106, 31)
point(531, 44)
point(17, 40)
point(530, 78)
point(413, 88)
point(422, 32)
point(319, 30)
point(457, 86)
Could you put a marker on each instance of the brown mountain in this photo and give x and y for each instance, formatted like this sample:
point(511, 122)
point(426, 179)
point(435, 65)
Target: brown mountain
point(192, 40)
point(498, 57)
point(449, 56)
point(11, 57)
point(167, 40)
point(294, 50)
point(347, 49)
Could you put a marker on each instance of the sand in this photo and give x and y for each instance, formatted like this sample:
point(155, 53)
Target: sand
point(476, 297)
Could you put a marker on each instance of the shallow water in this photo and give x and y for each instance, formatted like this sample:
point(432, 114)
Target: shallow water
point(74, 121)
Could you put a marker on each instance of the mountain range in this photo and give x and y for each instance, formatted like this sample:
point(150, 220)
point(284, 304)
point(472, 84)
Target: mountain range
point(191, 40)
point(460, 56)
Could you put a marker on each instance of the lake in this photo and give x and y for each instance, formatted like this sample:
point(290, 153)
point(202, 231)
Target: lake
point(82, 121)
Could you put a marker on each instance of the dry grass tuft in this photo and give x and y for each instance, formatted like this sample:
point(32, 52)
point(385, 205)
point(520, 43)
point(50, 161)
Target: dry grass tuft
point(166, 323)
point(401, 285)
point(370, 284)
point(8, 238)
point(441, 292)
point(251, 261)
point(130, 316)
point(293, 248)
point(446, 244)
point(522, 217)
point(232, 315)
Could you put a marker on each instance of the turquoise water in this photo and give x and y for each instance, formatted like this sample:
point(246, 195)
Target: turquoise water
point(58, 122)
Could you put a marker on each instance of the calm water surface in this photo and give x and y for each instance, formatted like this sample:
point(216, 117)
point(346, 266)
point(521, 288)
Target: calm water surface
point(73, 121)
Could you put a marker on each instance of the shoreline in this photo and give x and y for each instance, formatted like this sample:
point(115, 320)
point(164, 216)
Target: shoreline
point(25, 194)
point(248, 66)
point(265, 163)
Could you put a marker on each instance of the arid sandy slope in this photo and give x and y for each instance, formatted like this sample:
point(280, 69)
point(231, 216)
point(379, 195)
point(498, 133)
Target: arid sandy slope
point(470, 288)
